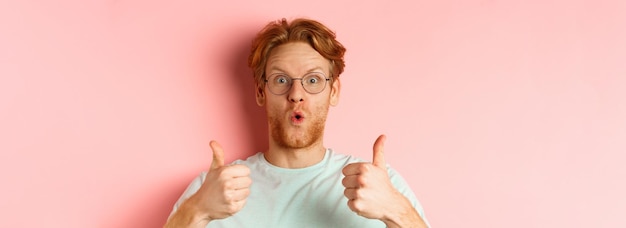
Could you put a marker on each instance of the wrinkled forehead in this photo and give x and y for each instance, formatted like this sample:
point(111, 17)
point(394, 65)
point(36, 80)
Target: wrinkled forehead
point(296, 59)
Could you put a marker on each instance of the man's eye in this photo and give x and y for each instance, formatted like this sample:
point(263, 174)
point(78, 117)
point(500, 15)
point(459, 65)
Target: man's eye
point(281, 80)
point(313, 80)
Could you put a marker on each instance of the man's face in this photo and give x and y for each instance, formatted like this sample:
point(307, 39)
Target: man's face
point(297, 118)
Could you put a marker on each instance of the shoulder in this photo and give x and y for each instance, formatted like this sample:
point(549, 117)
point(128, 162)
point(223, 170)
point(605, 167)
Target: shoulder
point(335, 157)
point(253, 159)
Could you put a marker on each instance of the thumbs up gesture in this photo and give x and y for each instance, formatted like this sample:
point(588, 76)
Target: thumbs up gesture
point(225, 188)
point(369, 191)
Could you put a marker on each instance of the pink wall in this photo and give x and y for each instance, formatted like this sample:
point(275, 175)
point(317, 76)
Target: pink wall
point(499, 114)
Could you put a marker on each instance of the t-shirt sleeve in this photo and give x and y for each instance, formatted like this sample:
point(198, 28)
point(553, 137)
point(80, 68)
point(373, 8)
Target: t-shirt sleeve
point(402, 186)
point(191, 189)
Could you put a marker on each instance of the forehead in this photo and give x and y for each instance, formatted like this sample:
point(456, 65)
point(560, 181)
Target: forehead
point(296, 58)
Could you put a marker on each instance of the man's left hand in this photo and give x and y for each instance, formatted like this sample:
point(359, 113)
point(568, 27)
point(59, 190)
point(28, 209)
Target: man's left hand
point(369, 191)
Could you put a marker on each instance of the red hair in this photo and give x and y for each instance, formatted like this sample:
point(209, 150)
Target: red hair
point(276, 33)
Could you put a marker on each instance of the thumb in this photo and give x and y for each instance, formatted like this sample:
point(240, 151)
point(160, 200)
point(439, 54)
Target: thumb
point(218, 155)
point(379, 155)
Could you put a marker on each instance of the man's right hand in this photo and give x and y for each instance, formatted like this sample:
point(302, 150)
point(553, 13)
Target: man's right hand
point(223, 193)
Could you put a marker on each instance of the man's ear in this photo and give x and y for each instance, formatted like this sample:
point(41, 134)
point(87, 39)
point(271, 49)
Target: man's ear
point(335, 88)
point(260, 95)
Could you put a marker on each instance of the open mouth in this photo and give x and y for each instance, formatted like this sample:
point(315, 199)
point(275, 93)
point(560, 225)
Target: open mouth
point(297, 117)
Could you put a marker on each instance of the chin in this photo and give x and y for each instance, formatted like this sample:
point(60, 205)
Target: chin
point(294, 142)
point(302, 136)
point(297, 139)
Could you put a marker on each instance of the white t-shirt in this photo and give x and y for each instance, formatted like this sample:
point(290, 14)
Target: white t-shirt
point(305, 197)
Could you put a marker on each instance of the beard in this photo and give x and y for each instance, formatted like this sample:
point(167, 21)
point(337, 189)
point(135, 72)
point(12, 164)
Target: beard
point(313, 133)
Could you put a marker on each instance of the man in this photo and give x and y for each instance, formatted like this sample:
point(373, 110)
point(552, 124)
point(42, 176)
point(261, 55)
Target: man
point(297, 182)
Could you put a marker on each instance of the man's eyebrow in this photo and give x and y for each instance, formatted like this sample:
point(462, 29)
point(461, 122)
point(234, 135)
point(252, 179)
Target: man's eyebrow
point(277, 68)
point(314, 69)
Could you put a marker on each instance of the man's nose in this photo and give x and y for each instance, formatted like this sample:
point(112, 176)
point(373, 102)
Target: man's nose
point(296, 92)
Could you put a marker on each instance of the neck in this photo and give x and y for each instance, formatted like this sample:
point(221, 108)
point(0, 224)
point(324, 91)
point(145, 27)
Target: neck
point(294, 158)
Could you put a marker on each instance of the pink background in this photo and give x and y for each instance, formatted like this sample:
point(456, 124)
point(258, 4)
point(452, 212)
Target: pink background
point(498, 113)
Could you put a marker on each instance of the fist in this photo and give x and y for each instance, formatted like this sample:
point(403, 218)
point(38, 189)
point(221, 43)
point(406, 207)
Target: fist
point(367, 186)
point(225, 188)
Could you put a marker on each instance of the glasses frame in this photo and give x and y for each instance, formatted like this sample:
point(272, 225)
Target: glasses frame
point(291, 85)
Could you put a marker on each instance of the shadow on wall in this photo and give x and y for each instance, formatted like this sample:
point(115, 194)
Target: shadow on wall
point(242, 76)
point(148, 213)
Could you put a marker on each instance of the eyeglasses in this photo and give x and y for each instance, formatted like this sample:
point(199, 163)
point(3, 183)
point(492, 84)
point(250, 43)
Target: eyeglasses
point(312, 83)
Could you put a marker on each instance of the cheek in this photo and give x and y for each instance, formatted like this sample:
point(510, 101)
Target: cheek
point(321, 107)
point(272, 108)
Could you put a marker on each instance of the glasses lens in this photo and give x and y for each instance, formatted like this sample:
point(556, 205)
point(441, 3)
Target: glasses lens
point(314, 83)
point(279, 84)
